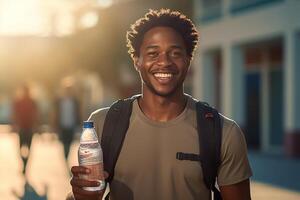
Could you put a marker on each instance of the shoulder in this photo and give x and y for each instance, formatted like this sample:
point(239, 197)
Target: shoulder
point(231, 129)
point(235, 166)
point(234, 146)
point(231, 132)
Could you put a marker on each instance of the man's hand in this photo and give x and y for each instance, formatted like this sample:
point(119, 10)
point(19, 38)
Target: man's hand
point(78, 184)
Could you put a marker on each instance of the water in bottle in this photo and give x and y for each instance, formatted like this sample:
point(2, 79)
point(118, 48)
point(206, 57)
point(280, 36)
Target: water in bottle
point(90, 156)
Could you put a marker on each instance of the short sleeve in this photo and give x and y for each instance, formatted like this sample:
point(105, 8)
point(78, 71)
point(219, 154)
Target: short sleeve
point(235, 165)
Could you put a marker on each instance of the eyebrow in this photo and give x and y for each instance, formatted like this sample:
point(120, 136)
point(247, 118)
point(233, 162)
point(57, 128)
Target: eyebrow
point(174, 46)
point(152, 47)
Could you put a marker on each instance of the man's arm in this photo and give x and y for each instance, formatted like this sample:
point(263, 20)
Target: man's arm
point(235, 170)
point(238, 191)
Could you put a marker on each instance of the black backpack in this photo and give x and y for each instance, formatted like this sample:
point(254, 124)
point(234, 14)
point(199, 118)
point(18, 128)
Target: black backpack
point(208, 120)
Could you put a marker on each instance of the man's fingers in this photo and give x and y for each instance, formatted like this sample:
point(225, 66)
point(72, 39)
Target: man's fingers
point(79, 170)
point(77, 182)
point(80, 193)
point(84, 197)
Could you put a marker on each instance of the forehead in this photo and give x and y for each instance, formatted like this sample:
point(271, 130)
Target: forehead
point(161, 36)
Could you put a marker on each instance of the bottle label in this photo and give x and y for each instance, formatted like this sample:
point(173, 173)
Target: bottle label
point(89, 156)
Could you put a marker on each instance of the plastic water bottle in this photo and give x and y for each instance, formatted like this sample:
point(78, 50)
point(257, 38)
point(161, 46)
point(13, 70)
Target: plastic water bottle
point(90, 156)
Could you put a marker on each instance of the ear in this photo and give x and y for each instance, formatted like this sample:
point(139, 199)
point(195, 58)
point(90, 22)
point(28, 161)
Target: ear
point(188, 60)
point(137, 63)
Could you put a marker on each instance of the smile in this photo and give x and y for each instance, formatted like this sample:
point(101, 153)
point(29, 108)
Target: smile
point(163, 75)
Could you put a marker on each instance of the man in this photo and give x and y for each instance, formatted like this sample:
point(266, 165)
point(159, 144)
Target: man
point(163, 122)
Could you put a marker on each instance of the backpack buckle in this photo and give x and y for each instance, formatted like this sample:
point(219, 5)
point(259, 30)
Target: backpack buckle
point(188, 156)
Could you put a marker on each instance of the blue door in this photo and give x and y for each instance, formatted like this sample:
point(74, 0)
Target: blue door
point(276, 107)
point(252, 129)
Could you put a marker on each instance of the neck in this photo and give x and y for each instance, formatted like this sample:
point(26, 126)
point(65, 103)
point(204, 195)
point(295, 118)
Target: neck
point(162, 108)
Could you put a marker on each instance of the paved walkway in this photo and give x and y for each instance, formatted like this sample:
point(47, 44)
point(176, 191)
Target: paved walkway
point(47, 174)
point(276, 169)
point(260, 191)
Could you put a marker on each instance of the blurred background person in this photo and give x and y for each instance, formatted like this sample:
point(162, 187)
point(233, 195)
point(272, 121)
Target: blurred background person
point(24, 118)
point(67, 116)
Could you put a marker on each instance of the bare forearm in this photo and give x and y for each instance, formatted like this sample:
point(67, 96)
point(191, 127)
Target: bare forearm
point(239, 191)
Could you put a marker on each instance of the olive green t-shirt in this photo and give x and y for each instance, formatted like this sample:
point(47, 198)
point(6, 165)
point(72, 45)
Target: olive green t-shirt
point(147, 167)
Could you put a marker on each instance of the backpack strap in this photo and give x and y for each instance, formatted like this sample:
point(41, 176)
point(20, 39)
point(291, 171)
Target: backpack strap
point(114, 130)
point(210, 137)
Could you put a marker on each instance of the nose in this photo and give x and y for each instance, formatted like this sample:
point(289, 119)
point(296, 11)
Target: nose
point(164, 59)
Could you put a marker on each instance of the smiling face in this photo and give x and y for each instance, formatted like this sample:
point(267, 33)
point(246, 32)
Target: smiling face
point(163, 61)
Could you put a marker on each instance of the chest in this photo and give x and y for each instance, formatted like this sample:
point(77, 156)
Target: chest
point(154, 148)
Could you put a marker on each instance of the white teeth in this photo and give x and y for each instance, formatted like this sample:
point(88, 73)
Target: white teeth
point(163, 75)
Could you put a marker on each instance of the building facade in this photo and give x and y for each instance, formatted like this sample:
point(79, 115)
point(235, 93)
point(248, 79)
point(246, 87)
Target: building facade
point(248, 64)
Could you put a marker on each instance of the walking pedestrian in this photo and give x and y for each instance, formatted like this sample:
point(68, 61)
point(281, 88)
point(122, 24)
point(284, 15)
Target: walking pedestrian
point(25, 117)
point(67, 115)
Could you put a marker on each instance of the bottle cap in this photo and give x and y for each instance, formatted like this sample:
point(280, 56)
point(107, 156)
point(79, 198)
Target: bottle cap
point(88, 124)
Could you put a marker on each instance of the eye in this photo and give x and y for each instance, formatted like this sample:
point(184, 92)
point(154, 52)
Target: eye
point(176, 53)
point(152, 54)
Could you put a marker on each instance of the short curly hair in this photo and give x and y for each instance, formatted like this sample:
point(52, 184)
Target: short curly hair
point(163, 17)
